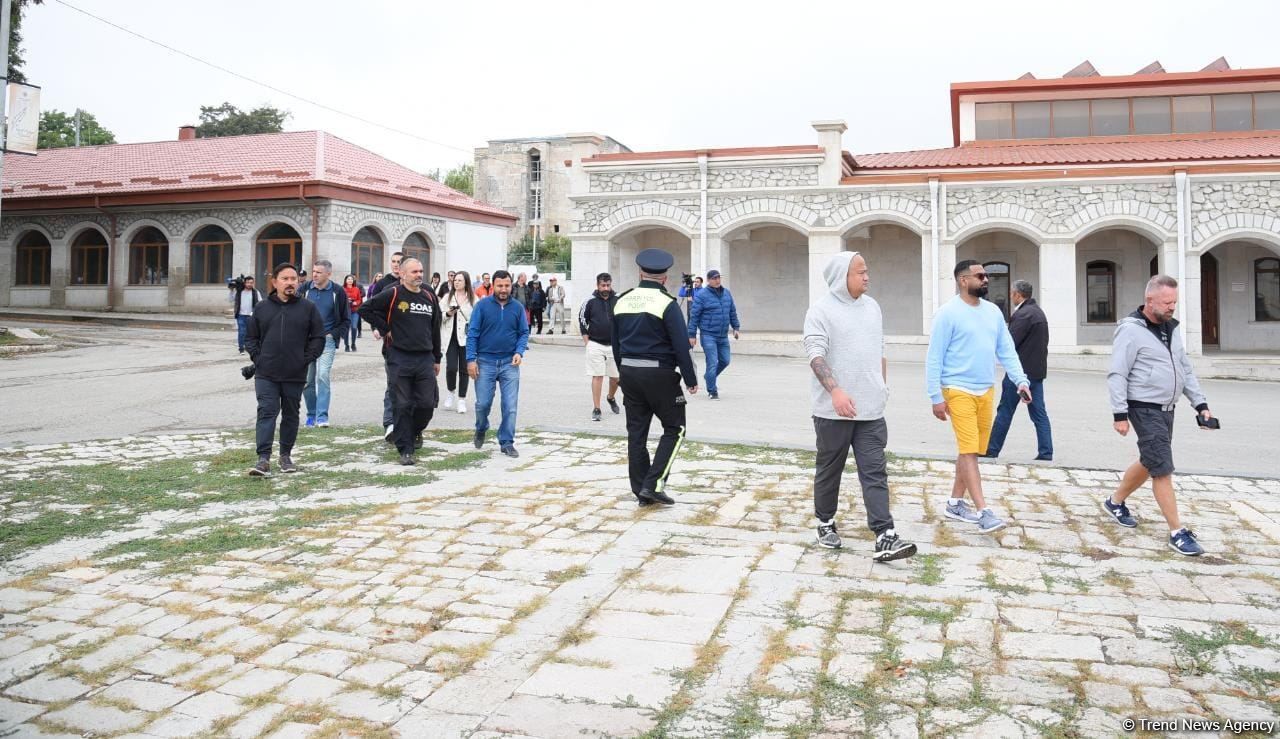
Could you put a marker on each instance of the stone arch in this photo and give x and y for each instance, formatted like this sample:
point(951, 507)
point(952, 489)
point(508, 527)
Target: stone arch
point(1010, 216)
point(1152, 223)
point(378, 228)
point(201, 222)
point(764, 210)
point(133, 228)
point(263, 223)
point(662, 214)
point(21, 230)
point(872, 217)
point(78, 228)
point(1269, 240)
point(636, 224)
point(765, 219)
point(1234, 226)
point(420, 230)
point(1024, 228)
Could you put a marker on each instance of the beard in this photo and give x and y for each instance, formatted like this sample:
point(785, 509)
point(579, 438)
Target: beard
point(979, 292)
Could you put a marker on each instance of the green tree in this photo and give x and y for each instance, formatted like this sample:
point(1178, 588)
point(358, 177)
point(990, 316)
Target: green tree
point(433, 174)
point(58, 129)
point(16, 61)
point(462, 178)
point(555, 253)
point(228, 120)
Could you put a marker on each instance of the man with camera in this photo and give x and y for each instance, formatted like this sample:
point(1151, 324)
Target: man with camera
point(1149, 370)
point(285, 335)
point(243, 297)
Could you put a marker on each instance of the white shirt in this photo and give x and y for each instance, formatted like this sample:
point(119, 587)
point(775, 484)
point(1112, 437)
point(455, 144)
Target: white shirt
point(246, 303)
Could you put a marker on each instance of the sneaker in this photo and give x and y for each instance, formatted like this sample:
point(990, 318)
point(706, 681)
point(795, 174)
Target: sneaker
point(827, 535)
point(1119, 513)
point(510, 450)
point(417, 441)
point(407, 460)
point(462, 405)
point(242, 350)
point(449, 400)
point(389, 432)
point(958, 509)
point(988, 522)
point(323, 424)
point(889, 546)
point(1184, 542)
point(286, 464)
point(262, 468)
point(613, 405)
point(595, 414)
point(479, 440)
point(714, 396)
point(311, 422)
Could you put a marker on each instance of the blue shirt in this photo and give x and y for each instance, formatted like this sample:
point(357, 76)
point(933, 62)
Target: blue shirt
point(497, 330)
point(326, 302)
point(964, 345)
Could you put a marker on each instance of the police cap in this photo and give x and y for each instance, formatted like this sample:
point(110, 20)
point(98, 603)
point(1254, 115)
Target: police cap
point(654, 261)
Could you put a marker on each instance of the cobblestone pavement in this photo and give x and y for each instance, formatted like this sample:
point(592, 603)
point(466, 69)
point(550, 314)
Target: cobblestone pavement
point(155, 592)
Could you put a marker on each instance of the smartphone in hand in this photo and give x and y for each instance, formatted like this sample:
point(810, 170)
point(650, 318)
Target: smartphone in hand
point(1025, 394)
point(1207, 423)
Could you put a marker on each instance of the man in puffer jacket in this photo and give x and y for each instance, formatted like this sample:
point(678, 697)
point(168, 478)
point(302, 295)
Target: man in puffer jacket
point(1149, 370)
point(714, 314)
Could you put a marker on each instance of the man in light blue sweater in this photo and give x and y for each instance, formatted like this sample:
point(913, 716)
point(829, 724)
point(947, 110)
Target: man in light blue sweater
point(969, 335)
point(844, 339)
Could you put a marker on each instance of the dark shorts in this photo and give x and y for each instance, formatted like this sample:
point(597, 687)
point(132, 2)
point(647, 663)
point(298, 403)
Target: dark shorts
point(1154, 428)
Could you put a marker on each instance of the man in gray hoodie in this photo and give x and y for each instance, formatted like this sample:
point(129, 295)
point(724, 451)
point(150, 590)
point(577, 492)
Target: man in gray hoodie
point(844, 339)
point(1149, 370)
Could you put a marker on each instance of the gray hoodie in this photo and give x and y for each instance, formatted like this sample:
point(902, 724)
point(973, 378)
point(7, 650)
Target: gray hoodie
point(1144, 369)
point(849, 333)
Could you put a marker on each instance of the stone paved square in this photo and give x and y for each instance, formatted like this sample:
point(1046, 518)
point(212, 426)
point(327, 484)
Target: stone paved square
point(482, 596)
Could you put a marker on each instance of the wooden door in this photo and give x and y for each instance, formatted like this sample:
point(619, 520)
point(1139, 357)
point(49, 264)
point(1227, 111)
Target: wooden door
point(1209, 299)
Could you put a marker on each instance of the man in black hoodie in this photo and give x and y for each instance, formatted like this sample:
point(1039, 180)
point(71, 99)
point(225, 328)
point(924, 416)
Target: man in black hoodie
point(595, 321)
point(285, 335)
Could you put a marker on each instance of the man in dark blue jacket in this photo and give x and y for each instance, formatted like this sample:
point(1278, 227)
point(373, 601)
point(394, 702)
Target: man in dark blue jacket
point(1030, 331)
point(714, 314)
point(497, 339)
point(285, 335)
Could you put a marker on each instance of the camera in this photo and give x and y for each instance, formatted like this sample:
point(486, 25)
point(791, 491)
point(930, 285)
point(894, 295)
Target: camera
point(248, 371)
point(237, 282)
point(687, 280)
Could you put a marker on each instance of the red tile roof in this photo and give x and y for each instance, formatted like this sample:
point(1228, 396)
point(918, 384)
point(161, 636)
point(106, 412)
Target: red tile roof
point(1118, 150)
point(232, 161)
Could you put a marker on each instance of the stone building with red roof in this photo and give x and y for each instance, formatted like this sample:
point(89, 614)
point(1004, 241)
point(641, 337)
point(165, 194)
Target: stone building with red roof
point(161, 226)
point(1084, 185)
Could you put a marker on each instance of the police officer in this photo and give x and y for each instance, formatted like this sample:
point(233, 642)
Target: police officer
point(651, 348)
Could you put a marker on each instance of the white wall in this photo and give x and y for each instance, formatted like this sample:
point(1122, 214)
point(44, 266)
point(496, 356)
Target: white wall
point(29, 297)
point(893, 259)
point(1237, 329)
point(87, 297)
point(768, 275)
point(147, 298)
point(475, 247)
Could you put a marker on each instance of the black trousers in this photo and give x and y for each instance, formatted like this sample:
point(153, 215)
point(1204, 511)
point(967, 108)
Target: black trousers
point(535, 316)
point(277, 399)
point(868, 440)
point(455, 367)
point(649, 392)
point(416, 392)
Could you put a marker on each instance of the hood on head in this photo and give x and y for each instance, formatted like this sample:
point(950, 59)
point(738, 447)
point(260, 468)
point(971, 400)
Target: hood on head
point(836, 273)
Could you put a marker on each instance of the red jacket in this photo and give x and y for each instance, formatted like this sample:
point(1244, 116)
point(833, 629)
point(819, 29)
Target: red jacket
point(355, 295)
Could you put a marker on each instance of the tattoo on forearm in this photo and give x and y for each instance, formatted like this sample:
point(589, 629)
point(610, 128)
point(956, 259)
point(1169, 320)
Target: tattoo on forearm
point(823, 372)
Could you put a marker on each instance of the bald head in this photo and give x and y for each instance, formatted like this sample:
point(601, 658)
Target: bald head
point(859, 278)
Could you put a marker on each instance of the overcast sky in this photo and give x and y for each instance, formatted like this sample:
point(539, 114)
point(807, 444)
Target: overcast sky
point(653, 74)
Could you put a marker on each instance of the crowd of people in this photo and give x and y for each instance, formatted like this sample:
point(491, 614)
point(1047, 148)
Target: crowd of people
point(641, 341)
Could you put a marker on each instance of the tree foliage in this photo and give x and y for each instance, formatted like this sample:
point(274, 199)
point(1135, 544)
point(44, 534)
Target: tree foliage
point(462, 178)
point(554, 253)
point(16, 61)
point(58, 129)
point(228, 120)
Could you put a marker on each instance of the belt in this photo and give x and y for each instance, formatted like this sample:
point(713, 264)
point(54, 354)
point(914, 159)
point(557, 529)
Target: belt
point(1155, 406)
point(633, 362)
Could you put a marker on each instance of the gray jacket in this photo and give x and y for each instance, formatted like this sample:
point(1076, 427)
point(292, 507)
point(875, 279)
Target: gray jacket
point(849, 334)
point(1144, 369)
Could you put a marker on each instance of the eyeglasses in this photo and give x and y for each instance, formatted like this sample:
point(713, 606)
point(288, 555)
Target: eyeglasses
point(984, 277)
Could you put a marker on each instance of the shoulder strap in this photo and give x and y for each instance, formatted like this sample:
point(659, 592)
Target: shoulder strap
point(395, 291)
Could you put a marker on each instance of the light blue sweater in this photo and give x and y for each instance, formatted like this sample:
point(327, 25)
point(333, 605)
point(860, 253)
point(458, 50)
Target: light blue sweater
point(963, 347)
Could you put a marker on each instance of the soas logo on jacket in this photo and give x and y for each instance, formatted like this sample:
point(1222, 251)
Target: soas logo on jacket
point(403, 306)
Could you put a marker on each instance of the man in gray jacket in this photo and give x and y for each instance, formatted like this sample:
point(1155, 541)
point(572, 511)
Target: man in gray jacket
point(1149, 370)
point(844, 339)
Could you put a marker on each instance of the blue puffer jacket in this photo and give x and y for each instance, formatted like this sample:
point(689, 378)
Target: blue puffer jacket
point(713, 312)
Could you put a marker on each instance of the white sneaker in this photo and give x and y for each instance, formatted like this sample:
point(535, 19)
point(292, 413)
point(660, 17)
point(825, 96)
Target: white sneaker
point(462, 405)
point(448, 401)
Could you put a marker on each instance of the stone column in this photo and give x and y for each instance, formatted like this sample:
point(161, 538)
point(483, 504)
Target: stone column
point(829, 138)
point(926, 282)
point(718, 257)
point(1056, 292)
point(179, 273)
point(590, 258)
point(59, 271)
point(1189, 295)
point(242, 260)
point(822, 246)
point(8, 263)
point(118, 258)
point(946, 278)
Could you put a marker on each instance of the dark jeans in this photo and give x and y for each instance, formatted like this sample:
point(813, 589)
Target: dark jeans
point(868, 440)
point(455, 367)
point(1004, 416)
point(353, 333)
point(282, 399)
point(649, 392)
point(242, 327)
point(716, 351)
point(535, 316)
point(498, 375)
point(416, 392)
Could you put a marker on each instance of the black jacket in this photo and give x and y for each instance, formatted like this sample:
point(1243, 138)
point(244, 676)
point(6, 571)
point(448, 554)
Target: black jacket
point(595, 319)
point(415, 319)
point(284, 338)
point(387, 281)
point(1030, 330)
point(648, 324)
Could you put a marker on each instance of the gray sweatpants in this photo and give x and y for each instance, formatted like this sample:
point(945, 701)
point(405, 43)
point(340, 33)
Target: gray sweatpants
point(868, 440)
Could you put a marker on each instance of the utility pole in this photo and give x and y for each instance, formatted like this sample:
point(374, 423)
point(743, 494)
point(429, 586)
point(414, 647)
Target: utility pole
point(77, 126)
point(4, 73)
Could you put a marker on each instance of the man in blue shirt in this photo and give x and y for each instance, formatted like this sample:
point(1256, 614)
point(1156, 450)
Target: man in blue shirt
point(497, 339)
point(330, 299)
point(714, 313)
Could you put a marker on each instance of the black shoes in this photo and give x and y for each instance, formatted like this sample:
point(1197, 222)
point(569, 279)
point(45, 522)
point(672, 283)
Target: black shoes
point(613, 405)
point(510, 450)
point(648, 497)
point(595, 414)
point(714, 396)
point(889, 546)
point(286, 464)
point(479, 440)
point(407, 460)
point(262, 468)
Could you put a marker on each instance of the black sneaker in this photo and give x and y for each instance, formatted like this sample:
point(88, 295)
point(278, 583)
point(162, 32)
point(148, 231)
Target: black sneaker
point(388, 433)
point(479, 440)
point(417, 441)
point(595, 414)
point(286, 464)
point(655, 496)
point(510, 451)
point(1119, 513)
point(889, 546)
point(1184, 542)
point(262, 468)
point(714, 396)
point(828, 536)
point(613, 405)
point(407, 460)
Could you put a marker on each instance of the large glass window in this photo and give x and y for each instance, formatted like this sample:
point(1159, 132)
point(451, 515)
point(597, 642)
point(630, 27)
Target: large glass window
point(277, 244)
point(993, 120)
point(1266, 111)
point(1151, 115)
point(34, 258)
point(1233, 112)
point(89, 258)
point(998, 285)
point(1031, 120)
point(1070, 118)
point(1109, 117)
point(1100, 292)
point(211, 251)
point(366, 255)
point(1192, 114)
point(1266, 291)
point(416, 246)
point(149, 258)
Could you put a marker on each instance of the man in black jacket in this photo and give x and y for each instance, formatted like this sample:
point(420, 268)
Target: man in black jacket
point(595, 321)
point(285, 335)
point(391, 279)
point(1030, 331)
point(408, 315)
